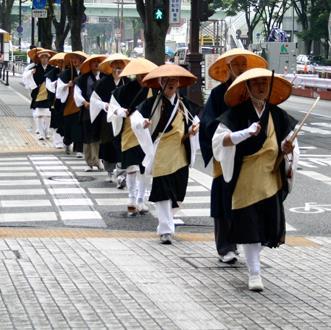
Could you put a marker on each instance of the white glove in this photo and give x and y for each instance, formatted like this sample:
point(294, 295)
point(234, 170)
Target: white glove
point(121, 112)
point(240, 136)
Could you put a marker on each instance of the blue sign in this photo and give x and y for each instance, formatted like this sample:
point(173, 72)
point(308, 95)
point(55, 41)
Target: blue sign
point(57, 2)
point(39, 4)
point(19, 29)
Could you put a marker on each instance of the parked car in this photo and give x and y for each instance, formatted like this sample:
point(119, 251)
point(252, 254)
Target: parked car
point(310, 59)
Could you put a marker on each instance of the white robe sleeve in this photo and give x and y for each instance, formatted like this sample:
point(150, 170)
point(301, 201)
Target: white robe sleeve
point(28, 80)
point(291, 164)
point(51, 85)
point(78, 97)
point(62, 90)
point(96, 105)
point(194, 141)
point(144, 138)
point(113, 117)
point(225, 155)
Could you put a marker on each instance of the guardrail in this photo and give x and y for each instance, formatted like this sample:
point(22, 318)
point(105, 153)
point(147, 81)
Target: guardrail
point(4, 75)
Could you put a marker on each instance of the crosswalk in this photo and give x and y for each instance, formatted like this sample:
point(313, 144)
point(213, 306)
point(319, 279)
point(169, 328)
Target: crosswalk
point(38, 189)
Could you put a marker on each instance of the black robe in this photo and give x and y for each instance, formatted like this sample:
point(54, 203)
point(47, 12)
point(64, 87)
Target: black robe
point(129, 97)
point(110, 148)
point(40, 77)
point(172, 186)
point(263, 221)
point(71, 123)
point(90, 131)
point(214, 107)
point(56, 117)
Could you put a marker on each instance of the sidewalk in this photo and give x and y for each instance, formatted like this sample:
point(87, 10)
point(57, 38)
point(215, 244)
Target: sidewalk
point(74, 279)
point(16, 124)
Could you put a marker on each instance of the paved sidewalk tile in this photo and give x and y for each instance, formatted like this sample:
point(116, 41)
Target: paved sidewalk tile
point(135, 283)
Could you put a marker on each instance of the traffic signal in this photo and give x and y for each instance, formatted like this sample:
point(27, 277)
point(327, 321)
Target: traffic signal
point(206, 9)
point(159, 14)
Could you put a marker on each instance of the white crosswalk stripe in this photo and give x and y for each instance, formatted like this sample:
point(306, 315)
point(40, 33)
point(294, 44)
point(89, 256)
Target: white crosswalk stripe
point(61, 197)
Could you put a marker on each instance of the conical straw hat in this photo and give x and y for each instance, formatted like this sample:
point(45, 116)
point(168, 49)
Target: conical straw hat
point(186, 78)
point(138, 66)
point(68, 56)
point(57, 59)
point(220, 70)
point(48, 52)
point(85, 67)
point(237, 93)
point(105, 67)
point(32, 53)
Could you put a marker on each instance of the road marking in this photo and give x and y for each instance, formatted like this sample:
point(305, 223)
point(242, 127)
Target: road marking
point(22, 192)
point(19, 182)
point(28, 217)
point(49, 168)
point(196, 188)
point(13, 163)
point(106, 191)
point(47, 162)
point(5, 159)
point(204, 179)
point(18, 174)
point(327, 125)
point(193, 212)
point(290, 228)
point(25, 203)
point(316, 176)
point(17, 169)
point(315, 130)
point(80, 215)
point(66, 191)
point(73, 201)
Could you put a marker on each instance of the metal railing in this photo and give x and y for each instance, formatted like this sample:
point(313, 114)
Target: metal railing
point(4, 75)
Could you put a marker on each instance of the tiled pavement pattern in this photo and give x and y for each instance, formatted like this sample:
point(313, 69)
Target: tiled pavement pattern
point(136, 283)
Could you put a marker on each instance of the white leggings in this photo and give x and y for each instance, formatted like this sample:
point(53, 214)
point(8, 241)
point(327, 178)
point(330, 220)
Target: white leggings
point(43, 125)
point(136, 184)
point(165, 217)
point(252, 255)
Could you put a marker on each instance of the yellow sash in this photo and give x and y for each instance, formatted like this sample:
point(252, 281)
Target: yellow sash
point(42, 93)
point(170, 154)
point(217, 168)
point(129, 139)
point(257, 181)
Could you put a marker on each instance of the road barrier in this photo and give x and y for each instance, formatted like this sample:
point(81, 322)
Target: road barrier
point(4, 76)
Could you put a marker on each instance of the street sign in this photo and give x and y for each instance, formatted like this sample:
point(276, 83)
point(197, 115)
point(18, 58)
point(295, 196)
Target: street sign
point(38, 4)
point(19, 29)
point(39, 13)
point(158, 14)
point(174, 11)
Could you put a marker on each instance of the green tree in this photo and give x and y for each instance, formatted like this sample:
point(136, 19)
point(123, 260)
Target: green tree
point(251, 8)
point(62, 27)
point(75, 12)
point(154, 31)
point(313, 15)
point(5, 14)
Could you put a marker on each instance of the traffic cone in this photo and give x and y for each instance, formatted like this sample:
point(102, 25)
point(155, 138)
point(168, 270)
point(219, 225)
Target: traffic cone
point(305, 69)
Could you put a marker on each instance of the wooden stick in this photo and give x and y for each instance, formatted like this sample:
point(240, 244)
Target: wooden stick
point(295, 133)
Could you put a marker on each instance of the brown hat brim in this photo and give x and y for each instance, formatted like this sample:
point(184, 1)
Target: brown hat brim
point(69, 56)
point(85, 67)
point(32, 53)
point(219, 70)
point(237, 93)
point(185, 77)
point(138, 66)
point(105, 66)
point(57, 59)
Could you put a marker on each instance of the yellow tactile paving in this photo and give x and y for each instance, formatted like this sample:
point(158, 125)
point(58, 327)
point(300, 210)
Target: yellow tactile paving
point(7, 232)
point(15, 137)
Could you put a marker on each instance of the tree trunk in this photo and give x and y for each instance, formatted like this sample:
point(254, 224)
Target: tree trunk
point(61, 28)
point(75, 11)
point(5, 14)
point(45, 28)
point(154, 32)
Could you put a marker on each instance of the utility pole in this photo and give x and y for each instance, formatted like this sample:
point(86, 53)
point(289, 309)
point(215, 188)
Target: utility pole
point(194, 57)
point(19, 24)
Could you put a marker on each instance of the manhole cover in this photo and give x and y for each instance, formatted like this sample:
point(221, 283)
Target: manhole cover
point(72, 179)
